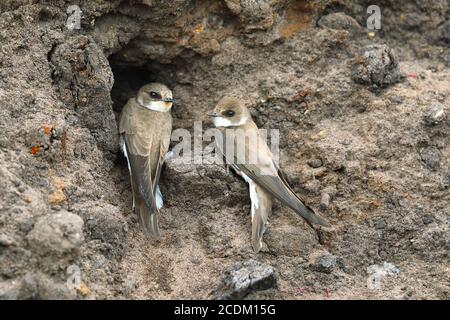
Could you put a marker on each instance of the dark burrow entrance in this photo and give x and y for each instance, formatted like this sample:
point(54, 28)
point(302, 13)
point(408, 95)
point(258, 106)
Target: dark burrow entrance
point(128, 78)
point(176, 75)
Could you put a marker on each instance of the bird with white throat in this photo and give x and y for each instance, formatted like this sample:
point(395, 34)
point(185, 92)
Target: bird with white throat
point(252, 160)
point(145, 128)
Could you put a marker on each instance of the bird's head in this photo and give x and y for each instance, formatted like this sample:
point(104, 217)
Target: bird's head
point(155, 96)
point(230, 112)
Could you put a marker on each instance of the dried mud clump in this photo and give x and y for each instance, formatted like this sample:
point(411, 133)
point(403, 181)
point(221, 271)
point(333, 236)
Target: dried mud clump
point(246, 277)
point(378, 65)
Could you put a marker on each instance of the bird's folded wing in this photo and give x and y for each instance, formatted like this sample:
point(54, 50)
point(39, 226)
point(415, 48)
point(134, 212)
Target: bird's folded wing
point(159, 164)
point(278, 187)
point(267, 175)
point(163, 147)
point(141, 170)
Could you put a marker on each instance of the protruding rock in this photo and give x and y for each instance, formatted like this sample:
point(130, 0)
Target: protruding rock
point(40, 286)
point(340, 21)
point(315, 163)
point(325, 201)
point(434, 114)
point(253, 14)
point(427, 219)
point(378, 272)
point(34, 286)
point(245, 277)
point(431, 156)
point(377, 66)
point(325, 263)
point(58, 234)
point(80, 66)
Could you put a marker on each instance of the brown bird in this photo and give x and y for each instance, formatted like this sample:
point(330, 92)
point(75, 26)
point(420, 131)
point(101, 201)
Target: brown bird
point(145, 128)
point(251, 158)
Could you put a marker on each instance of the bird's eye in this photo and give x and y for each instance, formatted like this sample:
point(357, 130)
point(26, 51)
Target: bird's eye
point(228, 113)
point(155, 95)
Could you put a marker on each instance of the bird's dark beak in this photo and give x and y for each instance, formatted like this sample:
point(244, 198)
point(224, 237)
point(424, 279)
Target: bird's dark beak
point(168, 100)
point(213, 114)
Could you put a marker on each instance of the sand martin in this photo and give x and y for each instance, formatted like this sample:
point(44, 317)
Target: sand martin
point(257, 167)
point(145, 129)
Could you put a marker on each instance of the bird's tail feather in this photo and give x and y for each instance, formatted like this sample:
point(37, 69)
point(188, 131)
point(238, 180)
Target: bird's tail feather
point(258, 229)
point(309, 214)
point(148, 221)
point(261, 210)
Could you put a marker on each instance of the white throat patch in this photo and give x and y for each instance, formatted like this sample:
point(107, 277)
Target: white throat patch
point(159, 106)
point(224, 122)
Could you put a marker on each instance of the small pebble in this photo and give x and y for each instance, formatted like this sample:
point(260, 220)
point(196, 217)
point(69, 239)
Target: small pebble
point(427, 219)
point(325, 201)
point(315, 163)
point(431, 156)
point(325, 263)
point(396, 99)
point(245, 277)
point(5, 240)
point(380, 224)
point(434, 114)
